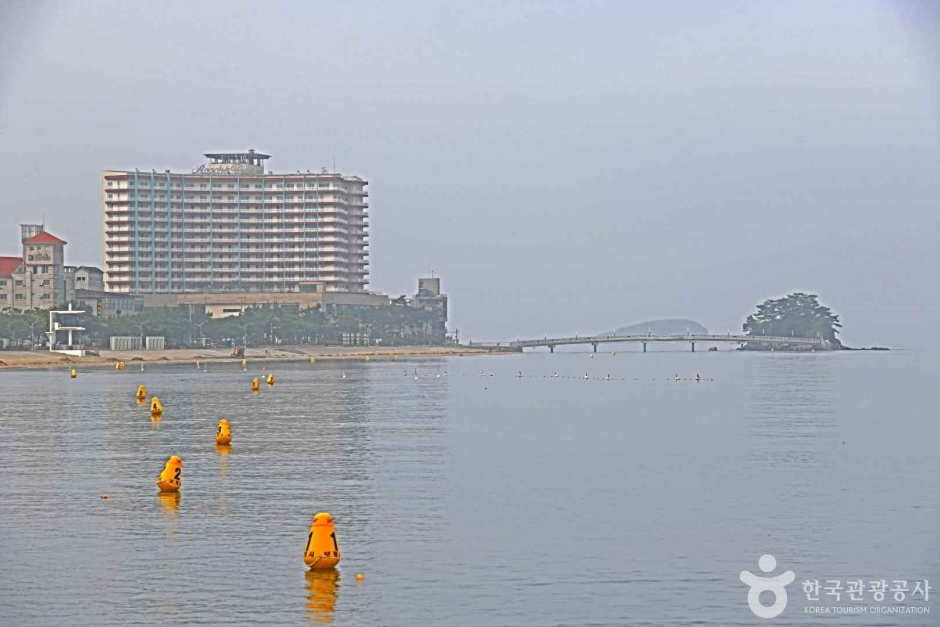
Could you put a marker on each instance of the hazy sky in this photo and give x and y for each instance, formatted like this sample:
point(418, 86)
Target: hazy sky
point(565, 167)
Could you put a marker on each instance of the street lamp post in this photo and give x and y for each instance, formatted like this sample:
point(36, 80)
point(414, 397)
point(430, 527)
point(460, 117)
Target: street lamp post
point(245, 337)
point(141, 327)
point(32, 335)
point(202, 336)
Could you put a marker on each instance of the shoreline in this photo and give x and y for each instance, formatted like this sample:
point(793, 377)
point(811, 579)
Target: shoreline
point(44, 359)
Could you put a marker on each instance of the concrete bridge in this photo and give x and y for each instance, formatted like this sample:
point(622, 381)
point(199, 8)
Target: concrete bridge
point(595, 340)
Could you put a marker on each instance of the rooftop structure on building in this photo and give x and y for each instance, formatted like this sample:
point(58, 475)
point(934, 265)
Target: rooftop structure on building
point(228, 226)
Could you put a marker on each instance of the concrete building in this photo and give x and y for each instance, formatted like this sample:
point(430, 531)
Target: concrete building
point(230, 227)
point(223, 305)
point(86, 278)
point(429, 298)
point(37, 279)
point(109, 304)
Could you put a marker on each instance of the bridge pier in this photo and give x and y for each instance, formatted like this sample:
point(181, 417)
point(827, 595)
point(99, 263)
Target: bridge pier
point(595, 347)
point(644, 347)
point(551, 348)
point(693, 346)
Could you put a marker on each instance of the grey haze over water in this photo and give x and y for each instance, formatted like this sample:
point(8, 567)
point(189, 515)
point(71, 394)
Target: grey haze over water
point(566, 168)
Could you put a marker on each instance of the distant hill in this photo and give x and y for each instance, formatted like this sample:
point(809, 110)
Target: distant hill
point(673, 326)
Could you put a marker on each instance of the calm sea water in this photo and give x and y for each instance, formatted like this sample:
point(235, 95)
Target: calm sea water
point(472, 500)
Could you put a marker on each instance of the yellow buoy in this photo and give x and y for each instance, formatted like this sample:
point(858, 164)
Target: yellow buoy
point(156, 407)
point(105, 497)
point(394, 357)
point(368, 358)
point(117, 366)
point(73, 373)
point(223, 434)
point(270, 380)
point(359, 576)
point(591, 356)
point(322, 550)
point(171, 478)
point(254, 384)
point(141, 393)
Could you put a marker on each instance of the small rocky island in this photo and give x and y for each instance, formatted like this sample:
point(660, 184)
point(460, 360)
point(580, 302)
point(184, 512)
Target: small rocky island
point(796, 315)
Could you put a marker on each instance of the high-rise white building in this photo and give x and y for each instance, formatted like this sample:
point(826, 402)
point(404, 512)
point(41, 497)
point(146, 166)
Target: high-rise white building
point(229, 226)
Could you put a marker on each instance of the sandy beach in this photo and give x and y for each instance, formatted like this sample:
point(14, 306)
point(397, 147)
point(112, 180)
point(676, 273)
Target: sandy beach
point(43, 359)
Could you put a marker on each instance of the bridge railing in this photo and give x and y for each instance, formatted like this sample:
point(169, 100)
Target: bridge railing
point(601, 339)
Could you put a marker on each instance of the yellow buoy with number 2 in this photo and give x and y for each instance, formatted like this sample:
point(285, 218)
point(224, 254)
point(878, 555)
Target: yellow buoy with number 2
point(141, 393)
point(270, 380)
point(322, 552)
point(171, 478)
point(223, 434)
point(254, 384)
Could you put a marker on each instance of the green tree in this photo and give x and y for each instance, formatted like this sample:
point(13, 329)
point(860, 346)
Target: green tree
point(795, 315)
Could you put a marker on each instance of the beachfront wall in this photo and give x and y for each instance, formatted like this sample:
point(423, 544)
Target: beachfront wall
point(125, 343)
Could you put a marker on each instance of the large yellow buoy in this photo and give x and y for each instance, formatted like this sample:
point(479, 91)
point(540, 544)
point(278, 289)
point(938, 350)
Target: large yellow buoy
point(322, 550)
point(254, 384)
point(73, 373)
point(171, 478)
point(270, 380)
point(141, 393)
point(223, 434)
point(156, 407)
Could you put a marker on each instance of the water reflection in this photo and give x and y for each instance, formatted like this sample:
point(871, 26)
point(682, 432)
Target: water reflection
point(170, 504)
point(792, 417)
point(322, 588)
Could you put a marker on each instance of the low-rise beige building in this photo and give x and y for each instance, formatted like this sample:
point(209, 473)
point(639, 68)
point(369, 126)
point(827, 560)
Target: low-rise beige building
point(222, 305)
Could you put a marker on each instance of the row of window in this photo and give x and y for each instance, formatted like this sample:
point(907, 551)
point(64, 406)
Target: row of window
point(23, 297)
point(162, 185)
point(244, 198)
point(22, 283)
